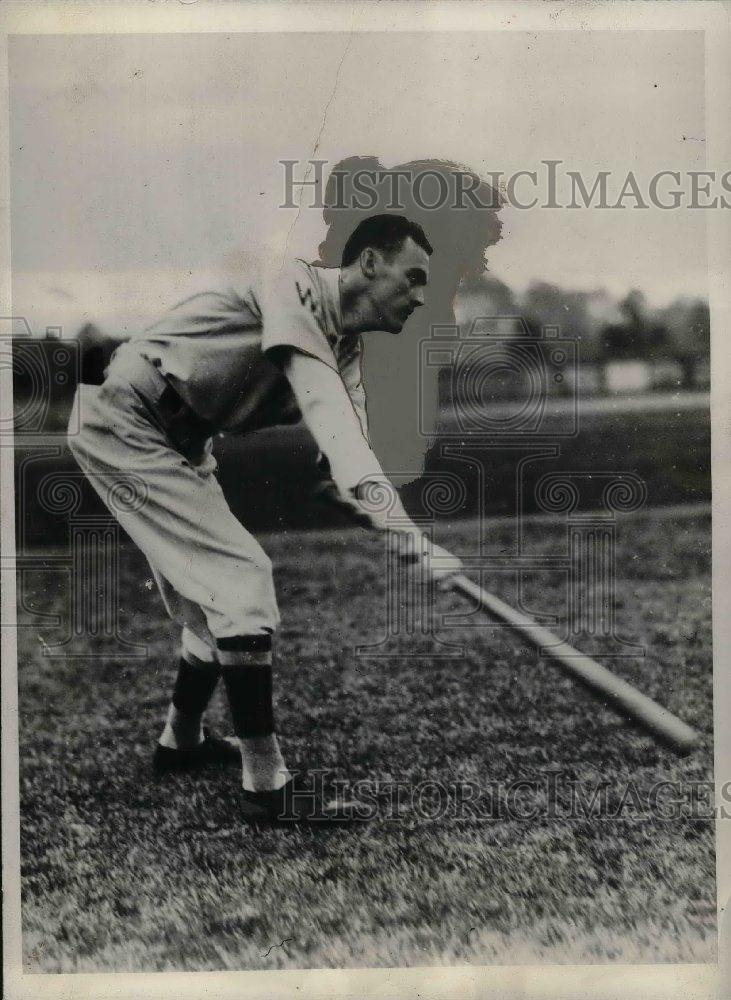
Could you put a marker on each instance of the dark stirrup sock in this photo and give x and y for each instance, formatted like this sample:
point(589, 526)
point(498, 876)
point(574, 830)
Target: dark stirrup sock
point(249, 690)
point(248, 681)
point(194, 686)
point(246, 665)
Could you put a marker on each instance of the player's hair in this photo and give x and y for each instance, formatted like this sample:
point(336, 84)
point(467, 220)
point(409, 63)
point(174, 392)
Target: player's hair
point(386, 233)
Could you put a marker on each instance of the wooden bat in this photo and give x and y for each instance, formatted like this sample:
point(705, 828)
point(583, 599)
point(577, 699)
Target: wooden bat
point(620, 695)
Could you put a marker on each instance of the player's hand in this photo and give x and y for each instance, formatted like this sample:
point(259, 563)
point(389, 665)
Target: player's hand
point(414, 549)
point(328, 493)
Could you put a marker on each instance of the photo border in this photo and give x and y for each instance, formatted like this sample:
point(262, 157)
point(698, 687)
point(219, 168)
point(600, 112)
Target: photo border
point(645, 981)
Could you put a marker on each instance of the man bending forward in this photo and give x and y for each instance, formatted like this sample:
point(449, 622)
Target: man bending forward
point(235, 360)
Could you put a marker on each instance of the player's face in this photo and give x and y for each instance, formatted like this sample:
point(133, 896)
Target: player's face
point(398, 284)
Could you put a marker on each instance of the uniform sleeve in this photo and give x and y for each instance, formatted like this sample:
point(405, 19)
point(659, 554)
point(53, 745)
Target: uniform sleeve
point(330, 416)
point(293, 314)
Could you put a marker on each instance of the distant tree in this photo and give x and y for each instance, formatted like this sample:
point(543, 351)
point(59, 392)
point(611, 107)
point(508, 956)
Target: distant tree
point(617, 342)
point(658, 339)
point(545, 304)
point(639, 335)
point(688, 323)
point(494, 293)
point(634, 309)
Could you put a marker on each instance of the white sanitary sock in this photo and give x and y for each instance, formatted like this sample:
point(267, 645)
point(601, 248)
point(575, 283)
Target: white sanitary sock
point(264, 768)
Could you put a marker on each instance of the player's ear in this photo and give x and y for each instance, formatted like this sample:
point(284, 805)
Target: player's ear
point(368, 262)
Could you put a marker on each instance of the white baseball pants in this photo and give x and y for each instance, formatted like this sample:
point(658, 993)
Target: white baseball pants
point(214, 577)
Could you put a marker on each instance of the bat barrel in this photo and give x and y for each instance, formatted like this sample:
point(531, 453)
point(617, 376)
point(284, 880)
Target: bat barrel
point(618, 694)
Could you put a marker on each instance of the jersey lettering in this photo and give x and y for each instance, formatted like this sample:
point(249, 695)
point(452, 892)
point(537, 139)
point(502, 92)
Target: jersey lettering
point(306, 297)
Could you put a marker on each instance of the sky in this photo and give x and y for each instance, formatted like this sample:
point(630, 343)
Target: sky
point(142, 164)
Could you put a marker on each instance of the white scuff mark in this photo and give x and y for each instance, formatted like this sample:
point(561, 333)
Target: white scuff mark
point(316, 145)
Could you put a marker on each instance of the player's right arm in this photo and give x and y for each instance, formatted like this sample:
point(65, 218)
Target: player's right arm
point(294, 338)
point(328, 412)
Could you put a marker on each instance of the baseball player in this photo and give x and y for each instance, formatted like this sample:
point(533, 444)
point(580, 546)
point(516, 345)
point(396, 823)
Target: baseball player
point(234, 360)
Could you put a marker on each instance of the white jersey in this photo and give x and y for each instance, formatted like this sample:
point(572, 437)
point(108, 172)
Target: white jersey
point(215, 348)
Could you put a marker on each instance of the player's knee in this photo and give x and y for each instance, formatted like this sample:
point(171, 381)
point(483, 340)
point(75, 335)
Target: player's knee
point(257, 612)
point(266, 581)
point(267, 595)
point(271, 619)
point(258, 583)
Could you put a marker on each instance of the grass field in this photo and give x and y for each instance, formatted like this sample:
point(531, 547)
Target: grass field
point(124, 873)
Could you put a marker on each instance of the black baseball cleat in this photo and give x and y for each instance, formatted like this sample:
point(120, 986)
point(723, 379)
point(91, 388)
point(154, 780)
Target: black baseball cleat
point(297, 802)
point(212, 751)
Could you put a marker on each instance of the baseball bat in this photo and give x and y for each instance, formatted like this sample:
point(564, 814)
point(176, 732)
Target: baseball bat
point(621, 696)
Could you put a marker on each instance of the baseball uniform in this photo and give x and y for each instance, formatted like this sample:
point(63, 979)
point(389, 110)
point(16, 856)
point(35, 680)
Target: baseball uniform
point(209, 366)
